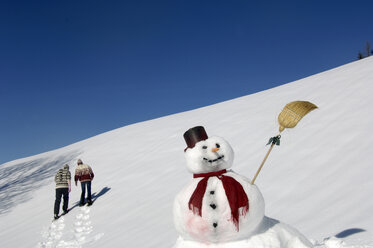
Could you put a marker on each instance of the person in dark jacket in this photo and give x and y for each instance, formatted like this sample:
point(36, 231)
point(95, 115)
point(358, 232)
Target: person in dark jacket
point(63, 188)
point(84, 174)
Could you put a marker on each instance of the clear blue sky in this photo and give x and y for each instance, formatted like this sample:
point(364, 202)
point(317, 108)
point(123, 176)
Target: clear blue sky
point(70, 70)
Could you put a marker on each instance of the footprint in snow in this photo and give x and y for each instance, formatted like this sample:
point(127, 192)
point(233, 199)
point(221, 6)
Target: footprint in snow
point(81, 232)
point(53, 234)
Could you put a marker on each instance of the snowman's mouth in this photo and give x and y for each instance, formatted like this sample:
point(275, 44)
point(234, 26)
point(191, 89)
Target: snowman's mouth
point(213, 160)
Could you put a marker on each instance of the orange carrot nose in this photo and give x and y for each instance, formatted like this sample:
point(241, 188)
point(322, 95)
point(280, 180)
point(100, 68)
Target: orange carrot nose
point(215, 149)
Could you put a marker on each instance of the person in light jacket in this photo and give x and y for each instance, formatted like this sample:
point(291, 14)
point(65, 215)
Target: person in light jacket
point(84, 174)
point(63, 188)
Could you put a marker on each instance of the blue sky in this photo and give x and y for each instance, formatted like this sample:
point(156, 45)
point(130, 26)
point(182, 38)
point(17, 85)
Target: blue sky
point(70, 70)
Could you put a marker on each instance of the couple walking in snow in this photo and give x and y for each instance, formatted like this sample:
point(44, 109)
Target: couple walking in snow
point(84, 174)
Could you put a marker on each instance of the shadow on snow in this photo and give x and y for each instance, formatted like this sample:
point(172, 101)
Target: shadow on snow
point(94, 196)
point(17, 181)
point(349, 232)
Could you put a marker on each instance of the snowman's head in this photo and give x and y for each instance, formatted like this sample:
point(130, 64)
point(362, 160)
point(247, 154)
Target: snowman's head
point(205, 154)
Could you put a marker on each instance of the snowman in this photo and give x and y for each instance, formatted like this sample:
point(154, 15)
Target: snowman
point(220, 208)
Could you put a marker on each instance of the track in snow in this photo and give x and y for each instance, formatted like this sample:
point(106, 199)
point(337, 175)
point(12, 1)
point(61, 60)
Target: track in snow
point(79, 236)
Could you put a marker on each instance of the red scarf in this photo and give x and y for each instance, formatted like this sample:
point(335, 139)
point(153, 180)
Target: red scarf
point(234, 191)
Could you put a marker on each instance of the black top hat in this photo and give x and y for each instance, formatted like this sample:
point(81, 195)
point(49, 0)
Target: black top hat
point(194, 135)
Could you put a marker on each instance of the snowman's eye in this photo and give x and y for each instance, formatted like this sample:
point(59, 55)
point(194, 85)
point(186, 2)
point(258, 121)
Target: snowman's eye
point(204, 147)
point(217, 145)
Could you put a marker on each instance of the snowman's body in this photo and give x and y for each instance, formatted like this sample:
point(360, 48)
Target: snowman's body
point(215, 224)
point(212, 225)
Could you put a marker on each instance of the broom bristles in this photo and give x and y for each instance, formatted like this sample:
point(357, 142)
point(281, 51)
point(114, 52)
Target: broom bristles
point(293, 112)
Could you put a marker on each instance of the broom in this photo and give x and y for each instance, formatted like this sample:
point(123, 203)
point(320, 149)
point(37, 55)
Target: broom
point(288, 118)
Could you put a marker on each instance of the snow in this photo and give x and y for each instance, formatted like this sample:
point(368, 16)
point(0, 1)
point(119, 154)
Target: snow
point(272, 233)
point(318, 181)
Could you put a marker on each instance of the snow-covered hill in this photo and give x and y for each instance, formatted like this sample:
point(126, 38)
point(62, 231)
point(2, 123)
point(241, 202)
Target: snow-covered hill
point(319, 180)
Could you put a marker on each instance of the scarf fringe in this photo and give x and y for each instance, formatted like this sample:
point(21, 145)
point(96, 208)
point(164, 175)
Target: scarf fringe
point(195, 210)
point(241, 212)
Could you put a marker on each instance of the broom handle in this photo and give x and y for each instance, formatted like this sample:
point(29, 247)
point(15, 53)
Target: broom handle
point(261, 166)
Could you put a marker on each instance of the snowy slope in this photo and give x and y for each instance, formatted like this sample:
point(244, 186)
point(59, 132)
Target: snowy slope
point(318, 180)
